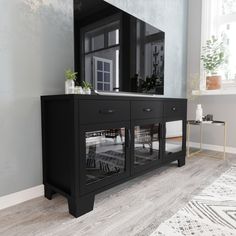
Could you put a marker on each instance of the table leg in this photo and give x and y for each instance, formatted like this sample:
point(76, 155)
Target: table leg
point(200, 137)
point(188, 140)
point(225, 128)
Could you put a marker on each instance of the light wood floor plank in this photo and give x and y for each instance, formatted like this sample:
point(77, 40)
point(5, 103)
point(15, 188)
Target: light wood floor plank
point(133, 208)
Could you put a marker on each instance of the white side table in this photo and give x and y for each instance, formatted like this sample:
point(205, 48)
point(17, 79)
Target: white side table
point(201, 124)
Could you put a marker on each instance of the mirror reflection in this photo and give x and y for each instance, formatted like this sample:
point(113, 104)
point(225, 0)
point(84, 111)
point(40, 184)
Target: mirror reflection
point(117, 52)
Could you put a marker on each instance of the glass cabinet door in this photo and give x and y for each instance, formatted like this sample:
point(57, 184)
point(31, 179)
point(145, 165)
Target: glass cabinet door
point(146, 144)
point(174, 137)
point(105, 153)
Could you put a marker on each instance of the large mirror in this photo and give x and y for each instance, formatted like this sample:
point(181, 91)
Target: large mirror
point(117, 52)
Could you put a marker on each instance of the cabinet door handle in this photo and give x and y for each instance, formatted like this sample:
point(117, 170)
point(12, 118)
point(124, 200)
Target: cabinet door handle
point(173, 109)
point(107, 111)
point(147, 109)
point(129, 139)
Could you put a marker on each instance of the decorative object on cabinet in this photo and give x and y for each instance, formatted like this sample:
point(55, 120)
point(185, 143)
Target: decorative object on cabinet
point(79, 90)
point(116, 139)
point(86, 87)
point(70, 81)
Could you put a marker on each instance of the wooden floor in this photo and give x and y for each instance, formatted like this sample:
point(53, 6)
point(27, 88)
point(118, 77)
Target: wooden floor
point(133, 208)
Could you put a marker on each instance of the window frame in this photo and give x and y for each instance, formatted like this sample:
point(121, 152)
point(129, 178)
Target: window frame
point(212, 20)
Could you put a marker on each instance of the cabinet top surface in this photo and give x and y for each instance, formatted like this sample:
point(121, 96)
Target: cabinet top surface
point(110, 97)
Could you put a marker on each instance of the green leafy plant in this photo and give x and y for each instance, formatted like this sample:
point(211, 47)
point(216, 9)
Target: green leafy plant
point(213, 55)
point(86, 85)
point(150, 83)
point(70, 75)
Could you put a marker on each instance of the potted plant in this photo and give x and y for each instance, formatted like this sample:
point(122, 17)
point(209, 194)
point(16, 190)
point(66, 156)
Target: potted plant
point(86, 87)
point(70, 81)
point(213, 58)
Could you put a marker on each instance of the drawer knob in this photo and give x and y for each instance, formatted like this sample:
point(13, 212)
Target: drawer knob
point(108, 111)
point(173, 108)
point(147, 109)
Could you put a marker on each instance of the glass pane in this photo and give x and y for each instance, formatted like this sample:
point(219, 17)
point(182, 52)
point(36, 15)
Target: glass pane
point(99, 86)
point(100, 76)
point(229, 33)
point(146, 144)
point(100, 65)
point(98, 42)
point(107, 77)
point(174, 136)
point(105, 154)
point(228, 7)
point(107, 87)
point(107, 67)
point(113, 37)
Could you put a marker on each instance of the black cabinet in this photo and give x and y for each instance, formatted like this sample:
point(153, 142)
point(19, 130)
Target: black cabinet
point(91, 143)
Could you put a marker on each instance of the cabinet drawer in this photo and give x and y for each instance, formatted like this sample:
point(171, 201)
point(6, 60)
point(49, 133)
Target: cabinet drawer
point(146, 109)
point(92, 111)
point(175, 108)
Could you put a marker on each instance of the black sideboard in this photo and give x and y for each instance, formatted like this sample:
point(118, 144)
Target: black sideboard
point(93, 142)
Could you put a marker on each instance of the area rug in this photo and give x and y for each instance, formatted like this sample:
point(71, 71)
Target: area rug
point(211, 213)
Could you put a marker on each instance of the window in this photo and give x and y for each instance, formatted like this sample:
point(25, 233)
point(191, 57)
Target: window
point(101, 53)
point(103, 74)
point(219, 18)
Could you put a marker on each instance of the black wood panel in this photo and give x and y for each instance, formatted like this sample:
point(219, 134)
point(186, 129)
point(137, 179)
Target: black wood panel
point(175, 109)
point(58, 143)
point(103, 111)
point(146, 109)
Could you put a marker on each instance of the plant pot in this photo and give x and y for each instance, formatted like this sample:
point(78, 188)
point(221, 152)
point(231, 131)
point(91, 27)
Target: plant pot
point(87, 91)
point(213, 82)
point(69, 87)
point(79, 90)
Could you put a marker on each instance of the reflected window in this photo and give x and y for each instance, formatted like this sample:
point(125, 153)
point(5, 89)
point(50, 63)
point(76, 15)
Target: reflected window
point(103, 74)
point(101, 54)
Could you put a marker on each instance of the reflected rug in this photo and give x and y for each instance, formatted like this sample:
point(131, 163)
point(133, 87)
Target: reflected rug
point(212, 212)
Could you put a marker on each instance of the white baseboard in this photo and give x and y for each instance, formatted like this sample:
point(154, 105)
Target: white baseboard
point(213, 147)
point(22, 196)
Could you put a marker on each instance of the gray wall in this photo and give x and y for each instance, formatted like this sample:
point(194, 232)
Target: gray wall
point(221, 106)
point(36, 46)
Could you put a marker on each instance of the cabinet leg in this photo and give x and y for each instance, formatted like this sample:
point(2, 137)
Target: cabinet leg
point(80, 206)
point(48, 192)
point(181, 162)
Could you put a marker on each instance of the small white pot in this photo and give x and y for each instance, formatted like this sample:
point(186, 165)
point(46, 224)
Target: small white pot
point(87, 91)
point(69, 86)
point(79, 90)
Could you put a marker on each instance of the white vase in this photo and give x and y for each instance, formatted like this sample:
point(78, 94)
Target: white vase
point(199, 113)
point(69, 86)
point(79, 90)
point(87, 91)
